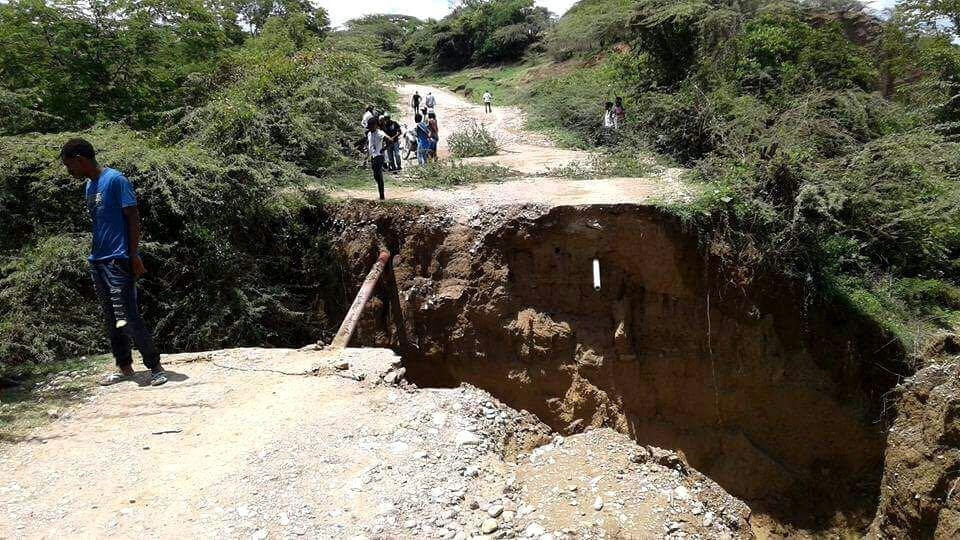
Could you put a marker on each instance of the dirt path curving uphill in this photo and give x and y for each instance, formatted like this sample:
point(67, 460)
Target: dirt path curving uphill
point(528, 152)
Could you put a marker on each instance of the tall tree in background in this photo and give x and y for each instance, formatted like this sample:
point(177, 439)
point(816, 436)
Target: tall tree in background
point(66, 64)
point(932, 15)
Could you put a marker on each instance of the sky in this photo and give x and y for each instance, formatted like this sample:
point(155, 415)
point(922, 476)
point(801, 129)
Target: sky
point(343, 10)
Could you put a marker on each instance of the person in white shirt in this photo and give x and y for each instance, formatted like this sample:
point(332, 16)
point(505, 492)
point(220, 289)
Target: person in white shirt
point(375, 142)
point(487, 101)
point(430, 102)
point(609, 123)
point(367, 115)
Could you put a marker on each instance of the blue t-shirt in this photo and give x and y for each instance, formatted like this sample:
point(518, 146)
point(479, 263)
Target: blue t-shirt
point(107, 196)
point(423, 135)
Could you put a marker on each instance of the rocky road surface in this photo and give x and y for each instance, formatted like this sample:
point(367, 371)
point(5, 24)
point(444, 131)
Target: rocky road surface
point(251, 443)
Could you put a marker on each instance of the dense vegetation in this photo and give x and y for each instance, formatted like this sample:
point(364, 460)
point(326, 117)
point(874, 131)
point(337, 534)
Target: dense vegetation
point(826, 138)
point(824, 135)
point(476, 32)
point(216, 118)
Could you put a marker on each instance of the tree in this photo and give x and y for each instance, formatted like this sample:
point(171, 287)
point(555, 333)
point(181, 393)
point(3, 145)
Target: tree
point(931, 15)
point(256, 13)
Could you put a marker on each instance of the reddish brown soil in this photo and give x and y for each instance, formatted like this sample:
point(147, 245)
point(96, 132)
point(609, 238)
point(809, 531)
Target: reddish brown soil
point(778, 399)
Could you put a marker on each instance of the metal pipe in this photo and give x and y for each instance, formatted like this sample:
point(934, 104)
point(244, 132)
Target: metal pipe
point(596, 274)
point(342, 339)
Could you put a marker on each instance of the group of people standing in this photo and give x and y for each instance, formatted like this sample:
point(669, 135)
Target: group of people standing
point(383, 135)
point(614, 117)
point(614, 114)
point(426, 127)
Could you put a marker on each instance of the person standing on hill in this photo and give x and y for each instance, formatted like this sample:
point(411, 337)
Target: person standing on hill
point(609, 123)
point(367, 115)
point(430, 102)
point(375, 142)
point(415, 101)
point(488, 101)
point(114, 259)
point(392, 130)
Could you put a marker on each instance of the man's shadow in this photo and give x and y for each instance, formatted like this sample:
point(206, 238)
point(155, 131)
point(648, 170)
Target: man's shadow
point(143, 378)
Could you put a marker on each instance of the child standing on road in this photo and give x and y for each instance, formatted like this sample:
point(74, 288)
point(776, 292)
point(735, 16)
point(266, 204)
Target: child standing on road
point(487, 101)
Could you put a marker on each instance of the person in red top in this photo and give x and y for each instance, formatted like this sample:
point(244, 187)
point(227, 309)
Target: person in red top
point(434, 132)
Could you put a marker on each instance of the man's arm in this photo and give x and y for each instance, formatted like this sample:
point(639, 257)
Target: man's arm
point(133, 239)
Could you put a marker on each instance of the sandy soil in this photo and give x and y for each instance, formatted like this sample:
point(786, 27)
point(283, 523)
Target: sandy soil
point(246, 443)
point(524, 151)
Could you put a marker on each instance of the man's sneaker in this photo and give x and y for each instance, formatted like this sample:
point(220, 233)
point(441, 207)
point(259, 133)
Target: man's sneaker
point(158, 378)
point(121, 323)
point(117, 376)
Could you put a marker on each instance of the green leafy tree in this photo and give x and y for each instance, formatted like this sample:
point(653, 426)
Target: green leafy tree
point(931, 15)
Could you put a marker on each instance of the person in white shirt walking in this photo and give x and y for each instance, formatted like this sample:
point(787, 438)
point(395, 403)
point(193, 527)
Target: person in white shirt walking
point(430, 101)
point(488, 101)
point(375, 142)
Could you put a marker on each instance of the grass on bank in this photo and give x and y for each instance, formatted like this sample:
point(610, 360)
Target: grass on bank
point(443, 174)
point(45, 393)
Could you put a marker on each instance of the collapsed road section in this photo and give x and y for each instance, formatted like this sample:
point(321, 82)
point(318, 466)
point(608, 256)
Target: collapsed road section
point(615, 316)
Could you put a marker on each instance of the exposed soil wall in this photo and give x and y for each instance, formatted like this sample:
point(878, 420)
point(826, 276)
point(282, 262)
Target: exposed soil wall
point(779, 400)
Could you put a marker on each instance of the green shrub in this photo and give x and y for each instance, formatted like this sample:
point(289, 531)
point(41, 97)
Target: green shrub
point(479, 32)
point(475, 141)
point(447, 174)
point(590, 26)
point(234, 256)
point(47, 304)
point(301, 108)
point(781, 54)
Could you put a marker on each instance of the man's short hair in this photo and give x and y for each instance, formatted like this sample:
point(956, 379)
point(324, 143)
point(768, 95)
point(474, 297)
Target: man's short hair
point(78, 147)
point(418, 118)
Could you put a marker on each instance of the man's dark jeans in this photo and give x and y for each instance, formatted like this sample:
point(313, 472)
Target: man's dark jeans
point(377, 165)
point(117, 293)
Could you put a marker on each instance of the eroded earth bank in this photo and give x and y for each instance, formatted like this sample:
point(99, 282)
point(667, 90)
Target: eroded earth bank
point(786, 402)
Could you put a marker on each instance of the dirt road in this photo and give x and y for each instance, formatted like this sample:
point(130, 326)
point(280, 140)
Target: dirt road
point(246, 443)
point(522, 150)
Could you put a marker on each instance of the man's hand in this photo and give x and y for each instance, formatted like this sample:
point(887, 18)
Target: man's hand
point(136, 265)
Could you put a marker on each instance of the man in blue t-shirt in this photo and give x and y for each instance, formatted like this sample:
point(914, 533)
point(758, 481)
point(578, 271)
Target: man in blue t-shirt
point(424, 142)
point(114, 262)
